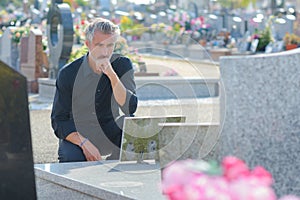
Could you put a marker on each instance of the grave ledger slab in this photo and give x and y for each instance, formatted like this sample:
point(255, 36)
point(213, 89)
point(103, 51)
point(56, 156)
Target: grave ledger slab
point(99, 180)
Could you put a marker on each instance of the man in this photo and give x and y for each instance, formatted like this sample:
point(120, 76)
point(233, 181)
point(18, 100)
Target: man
point(90, 91)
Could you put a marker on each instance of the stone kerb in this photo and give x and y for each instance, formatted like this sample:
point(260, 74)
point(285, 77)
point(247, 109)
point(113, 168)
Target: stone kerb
point(192, 51)
point(176, 87)
point(157, 87)
point(261, 114)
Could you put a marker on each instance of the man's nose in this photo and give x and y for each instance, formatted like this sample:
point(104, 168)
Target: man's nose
point(105, 51)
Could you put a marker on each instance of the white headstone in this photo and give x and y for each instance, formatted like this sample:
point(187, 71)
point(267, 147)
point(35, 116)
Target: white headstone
point(9, 49)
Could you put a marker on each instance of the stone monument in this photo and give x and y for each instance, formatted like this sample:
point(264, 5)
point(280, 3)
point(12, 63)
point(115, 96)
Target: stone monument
point(9, 48)
point(32, 64)
point(16, 160)
point(60, 35)
point(262, 123)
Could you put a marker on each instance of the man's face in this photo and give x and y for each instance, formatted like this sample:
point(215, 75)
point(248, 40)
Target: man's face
point(102, 45)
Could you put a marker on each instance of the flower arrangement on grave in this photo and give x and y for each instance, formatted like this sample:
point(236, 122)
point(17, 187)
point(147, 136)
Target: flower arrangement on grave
point(157, 28)
point(79, 28)
point(131, 27)
point(78, 52)
point(291, 41)
point(180, 21)
point(264, 37)
point(199, 23)
point(20, 32)
point(232, 180)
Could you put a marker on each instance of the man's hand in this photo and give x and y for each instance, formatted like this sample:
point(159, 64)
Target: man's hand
point(90, 152)
point(104, 65)
point(119, 91)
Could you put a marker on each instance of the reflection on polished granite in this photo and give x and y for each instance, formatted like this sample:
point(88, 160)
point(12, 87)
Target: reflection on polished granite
point(100, 180)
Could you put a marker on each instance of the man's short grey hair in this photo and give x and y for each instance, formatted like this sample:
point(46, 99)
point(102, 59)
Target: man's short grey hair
point(103, 25)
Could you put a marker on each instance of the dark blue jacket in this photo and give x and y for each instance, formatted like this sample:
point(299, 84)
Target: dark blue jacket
point(107, 109)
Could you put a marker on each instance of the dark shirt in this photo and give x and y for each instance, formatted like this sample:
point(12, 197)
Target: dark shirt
point(105, 108)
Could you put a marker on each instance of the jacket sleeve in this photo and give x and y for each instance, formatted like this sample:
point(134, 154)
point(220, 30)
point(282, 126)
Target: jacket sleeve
point(61, 116)
point(126, 75)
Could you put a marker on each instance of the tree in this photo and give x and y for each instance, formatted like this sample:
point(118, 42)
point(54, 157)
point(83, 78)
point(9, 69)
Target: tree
point(233, 4)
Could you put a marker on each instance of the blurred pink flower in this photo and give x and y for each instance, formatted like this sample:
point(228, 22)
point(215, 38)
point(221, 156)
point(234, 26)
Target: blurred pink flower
point(289, 197)
point(234, 168)
point(247, 189)
point(233, 180)
point(262, 175)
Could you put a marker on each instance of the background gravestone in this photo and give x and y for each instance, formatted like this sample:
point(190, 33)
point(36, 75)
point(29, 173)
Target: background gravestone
point(9, 49)
point(60, 35)
point(16, 160)
point(32, 64)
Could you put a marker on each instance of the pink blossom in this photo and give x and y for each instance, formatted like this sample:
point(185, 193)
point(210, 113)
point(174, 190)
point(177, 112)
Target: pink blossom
point(289, 197)
point(248, 190)
point(176, 177)
point(197, 180)
point(262, 175)
point(234, 168)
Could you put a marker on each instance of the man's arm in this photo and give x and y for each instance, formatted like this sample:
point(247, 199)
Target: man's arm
point(89, 150)
point(118, 88)
point(63, 122)
point(61, 116)
point(122, 81)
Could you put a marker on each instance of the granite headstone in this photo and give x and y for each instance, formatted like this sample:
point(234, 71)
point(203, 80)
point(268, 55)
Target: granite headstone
point(261, 109)
point(9, 48)
point(60, 35)
point(16, 160)
point(32, 64)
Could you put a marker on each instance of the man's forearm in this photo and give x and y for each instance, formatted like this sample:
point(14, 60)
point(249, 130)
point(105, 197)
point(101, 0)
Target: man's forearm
point(118, 89)
point(75, 138)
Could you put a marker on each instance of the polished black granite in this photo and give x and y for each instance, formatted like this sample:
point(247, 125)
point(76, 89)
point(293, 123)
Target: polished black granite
point(16, 160)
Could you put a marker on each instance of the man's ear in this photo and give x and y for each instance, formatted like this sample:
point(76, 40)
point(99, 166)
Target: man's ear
point(87, 43)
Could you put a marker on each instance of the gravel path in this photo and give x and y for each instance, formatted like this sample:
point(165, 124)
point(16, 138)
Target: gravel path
point(44, 142)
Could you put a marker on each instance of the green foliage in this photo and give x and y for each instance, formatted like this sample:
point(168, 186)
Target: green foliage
point(265, 37)
point(78, 53)
point(121, 46)
point(20, 32)
point(17, 3)
point(291, 38)
point(236, 3)
point(131, 27)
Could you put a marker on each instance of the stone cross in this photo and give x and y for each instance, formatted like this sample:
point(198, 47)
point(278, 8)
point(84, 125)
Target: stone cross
point(60, 35)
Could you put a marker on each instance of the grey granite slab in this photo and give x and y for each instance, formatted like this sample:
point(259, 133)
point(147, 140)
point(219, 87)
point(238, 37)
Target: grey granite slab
point(101, 180)
point(261, 107)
